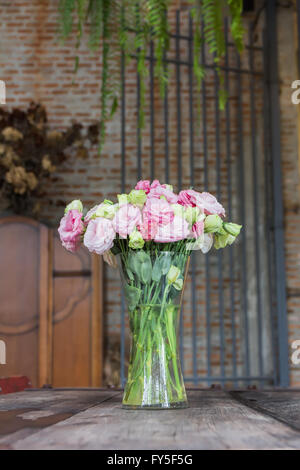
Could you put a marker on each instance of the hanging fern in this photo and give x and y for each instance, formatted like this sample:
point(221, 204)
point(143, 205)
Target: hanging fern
point(141, 49)
point(212, 12)
point(105, 67)
point(198, 67)
point(95, 13)
point(236, 25)
point(127, 27)
point(66, 10)
point(158, 22)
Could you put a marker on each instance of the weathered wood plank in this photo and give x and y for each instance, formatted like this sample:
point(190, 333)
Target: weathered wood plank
point(22, 414)
point(44, 320)
point(283, 405)
point(215, 420)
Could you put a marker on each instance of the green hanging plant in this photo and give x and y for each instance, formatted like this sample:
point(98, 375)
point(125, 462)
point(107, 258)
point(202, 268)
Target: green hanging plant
point(118, 27)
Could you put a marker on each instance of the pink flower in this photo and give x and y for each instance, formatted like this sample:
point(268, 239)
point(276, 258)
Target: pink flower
point(158, 191)
point(143, 184)
point(126, 219)
point(205, 201)
point(70, 230)
point(188, 197)
point(198, 229)
point(148, 228)
point(158, 210)
point(90, 213)
point(99, 235)
point(210, 204)
point(176, 230)
point(155, 184)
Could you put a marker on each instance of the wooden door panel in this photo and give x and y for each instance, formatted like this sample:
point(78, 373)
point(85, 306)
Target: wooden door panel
point(71, 332)
point(21, 356)
point(20, 243)
point(77, 318)
point(50, 307)
point(64, 261)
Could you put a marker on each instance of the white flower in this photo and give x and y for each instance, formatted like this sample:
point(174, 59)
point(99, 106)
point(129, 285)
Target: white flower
point(203, 243)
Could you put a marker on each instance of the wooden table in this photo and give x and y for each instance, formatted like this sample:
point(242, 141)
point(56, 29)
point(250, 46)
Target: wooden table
point(94, 419)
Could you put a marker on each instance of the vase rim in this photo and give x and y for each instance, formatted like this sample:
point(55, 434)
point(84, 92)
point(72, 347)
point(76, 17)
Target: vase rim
point(132, 250)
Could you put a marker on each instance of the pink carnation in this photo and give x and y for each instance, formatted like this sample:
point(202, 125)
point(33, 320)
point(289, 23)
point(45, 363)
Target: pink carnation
point(176, 230)
point(210, 204)
point(148, 228)
point(198, 229)
point(126, 219)
point(162, 191)
point(188, 197)
point(99, 236)
point(144, 185)
point(158, 210)
point(205, 201)
point(70, 230)
point(155, 184)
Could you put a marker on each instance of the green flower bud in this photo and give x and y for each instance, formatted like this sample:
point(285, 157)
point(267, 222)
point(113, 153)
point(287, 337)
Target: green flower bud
point(136, 240)
point(169, 187)
point(233, 229)
point(122, 199)
point(178, 284)
point(173, 274)
point(76, 204)
point(108, 201)
point(221, 231)
point(137, 197)
point(213, 223)
point(106, 210)
point(223, 240)
point(179, 210)
point(192, 214)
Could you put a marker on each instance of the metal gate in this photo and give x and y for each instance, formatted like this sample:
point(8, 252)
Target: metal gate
point(233, 327)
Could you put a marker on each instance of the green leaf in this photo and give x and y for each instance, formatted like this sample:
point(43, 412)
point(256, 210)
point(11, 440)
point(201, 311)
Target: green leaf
point(142, 256)
point(236, 25)
point(146, 273)
point(130, 274)
point(133, 262)
point(166, 263)
point(157, 270)
point(132, 296)
point(140, 263)
point(173, 293)
point(114, 106)
point(145, 267)
point(66, 10)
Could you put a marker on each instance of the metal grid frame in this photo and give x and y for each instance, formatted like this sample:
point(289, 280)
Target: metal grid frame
point(272, 196)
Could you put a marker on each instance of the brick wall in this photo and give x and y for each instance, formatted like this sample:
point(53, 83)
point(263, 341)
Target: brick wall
point(290, 173)
point(36, 67)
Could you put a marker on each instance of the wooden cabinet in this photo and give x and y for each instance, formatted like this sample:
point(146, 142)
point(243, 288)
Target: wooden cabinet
point(50, 307)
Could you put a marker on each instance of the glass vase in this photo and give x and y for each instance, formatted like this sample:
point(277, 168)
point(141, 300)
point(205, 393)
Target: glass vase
point(153, 285)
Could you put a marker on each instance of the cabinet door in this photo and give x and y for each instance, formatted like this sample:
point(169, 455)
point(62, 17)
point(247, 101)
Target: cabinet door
point(77, 318)
point(50, 308)
point(24, 277)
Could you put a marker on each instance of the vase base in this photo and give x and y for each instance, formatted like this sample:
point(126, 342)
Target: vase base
point(158, 406)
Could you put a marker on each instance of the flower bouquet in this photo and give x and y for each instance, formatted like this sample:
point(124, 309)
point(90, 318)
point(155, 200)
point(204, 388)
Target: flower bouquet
point(149, 233)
